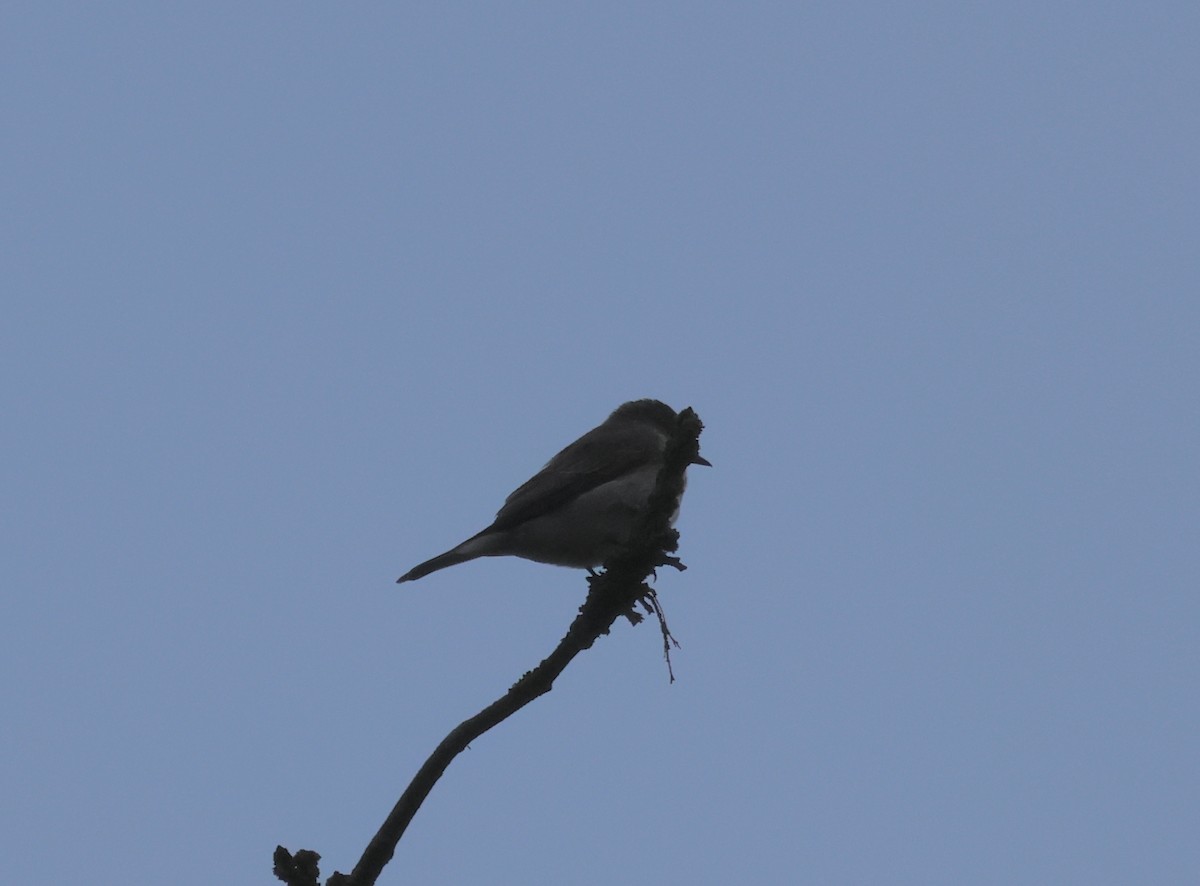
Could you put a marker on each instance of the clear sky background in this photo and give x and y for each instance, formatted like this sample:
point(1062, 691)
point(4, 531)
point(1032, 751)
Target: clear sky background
point(295, 294)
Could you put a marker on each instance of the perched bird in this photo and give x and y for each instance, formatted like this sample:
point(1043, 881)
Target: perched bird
point(580, 508)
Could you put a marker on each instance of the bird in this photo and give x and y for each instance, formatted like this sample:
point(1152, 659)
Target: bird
point(581, 508)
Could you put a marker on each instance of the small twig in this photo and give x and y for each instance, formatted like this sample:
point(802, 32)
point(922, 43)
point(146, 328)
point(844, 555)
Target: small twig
point(652, 605)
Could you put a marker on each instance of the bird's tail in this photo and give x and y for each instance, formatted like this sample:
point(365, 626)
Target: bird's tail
point(485, 544)
point(441, 561)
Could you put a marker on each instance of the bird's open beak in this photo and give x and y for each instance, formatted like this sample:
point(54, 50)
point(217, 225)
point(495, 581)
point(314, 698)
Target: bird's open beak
point(701, 460)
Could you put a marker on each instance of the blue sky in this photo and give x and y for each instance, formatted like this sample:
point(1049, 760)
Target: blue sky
point(295, 294)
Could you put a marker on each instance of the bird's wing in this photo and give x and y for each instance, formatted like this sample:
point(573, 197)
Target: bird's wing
point(596, 458)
